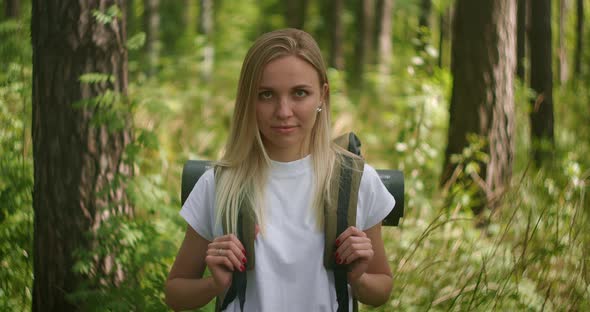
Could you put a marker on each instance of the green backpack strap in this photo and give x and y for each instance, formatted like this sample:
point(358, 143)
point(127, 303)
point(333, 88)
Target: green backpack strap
point(338, 216)
point(246, 233)
point(351, 170)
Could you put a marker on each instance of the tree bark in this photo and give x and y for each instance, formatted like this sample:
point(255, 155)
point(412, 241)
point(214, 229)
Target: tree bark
point(336, 35)
point(541, 115)
point(130, 16)
point(521, 39)
point(151, 24)
point(75, 161)
point(563, 66)
point(206, 29)
point(424, 23)
point(482, 102)
point(295, 11)
point(579, 38)
point(444, 33)
point(364, 42)
point(385, 49)
point(12, 8)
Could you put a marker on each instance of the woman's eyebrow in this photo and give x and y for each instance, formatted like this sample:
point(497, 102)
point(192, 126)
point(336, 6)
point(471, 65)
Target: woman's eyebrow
point(302, 86)
point(299, 86)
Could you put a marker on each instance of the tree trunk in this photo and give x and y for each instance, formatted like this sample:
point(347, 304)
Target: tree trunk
point(521, 39)
point(482, 102)
point(541, 115)
point(337, 34)
point(151, 23)
point(444, 33)
point(12, 8)
point(424, 23)
point(206, 30)
point(385, 49)
point(130, 16)
point(364, 42)
point(563, 66)
point(295, 11)
point(579, 39)
point(76, 161)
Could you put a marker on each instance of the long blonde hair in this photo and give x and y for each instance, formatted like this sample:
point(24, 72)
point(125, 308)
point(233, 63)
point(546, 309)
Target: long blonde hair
point(243, 169)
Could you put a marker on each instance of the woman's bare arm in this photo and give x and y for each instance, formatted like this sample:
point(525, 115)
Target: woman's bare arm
point(371, 280)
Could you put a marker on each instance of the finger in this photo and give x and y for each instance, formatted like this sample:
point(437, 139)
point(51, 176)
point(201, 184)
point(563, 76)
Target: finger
point(229, 245)
point(351, 240)
point(362, 255)
point(238, 243)
point(344, 255)
point(350, 231)
point(218, 261)
point(231, 238)
point(235, 262)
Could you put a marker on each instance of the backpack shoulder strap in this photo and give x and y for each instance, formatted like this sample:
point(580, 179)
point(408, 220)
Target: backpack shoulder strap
point(338, 216)
point(246, 224)
point(341, 212)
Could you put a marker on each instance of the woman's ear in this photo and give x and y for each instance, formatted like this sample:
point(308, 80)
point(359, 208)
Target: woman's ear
point(325, 93)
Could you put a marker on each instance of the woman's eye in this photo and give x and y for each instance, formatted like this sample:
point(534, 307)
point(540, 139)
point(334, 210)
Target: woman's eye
point(265, 95)
point(300, 93)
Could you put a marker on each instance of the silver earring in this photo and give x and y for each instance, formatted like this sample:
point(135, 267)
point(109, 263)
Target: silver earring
point(319, 109)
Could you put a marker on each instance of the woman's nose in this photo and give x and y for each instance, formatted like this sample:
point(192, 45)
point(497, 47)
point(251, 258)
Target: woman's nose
point(284, 109)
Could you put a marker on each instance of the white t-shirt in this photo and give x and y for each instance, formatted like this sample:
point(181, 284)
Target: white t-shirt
point(289, 274)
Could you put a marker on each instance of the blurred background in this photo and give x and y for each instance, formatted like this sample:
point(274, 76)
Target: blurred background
point(484, 105)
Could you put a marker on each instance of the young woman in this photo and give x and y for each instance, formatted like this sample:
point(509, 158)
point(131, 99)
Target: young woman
point(279, 164)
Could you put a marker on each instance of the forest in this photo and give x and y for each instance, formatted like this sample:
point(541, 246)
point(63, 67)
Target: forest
point(483, 105)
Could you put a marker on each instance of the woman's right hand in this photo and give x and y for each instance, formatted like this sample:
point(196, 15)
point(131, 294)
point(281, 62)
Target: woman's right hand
point(225, 254)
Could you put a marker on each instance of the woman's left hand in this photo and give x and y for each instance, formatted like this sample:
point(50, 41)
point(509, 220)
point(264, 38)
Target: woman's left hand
point(355, 249)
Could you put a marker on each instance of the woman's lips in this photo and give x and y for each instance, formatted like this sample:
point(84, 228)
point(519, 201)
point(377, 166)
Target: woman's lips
point(284, 129)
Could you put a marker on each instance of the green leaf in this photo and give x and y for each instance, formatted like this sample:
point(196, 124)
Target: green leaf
point(109, 16)
point(136, 42)
point(92, 78)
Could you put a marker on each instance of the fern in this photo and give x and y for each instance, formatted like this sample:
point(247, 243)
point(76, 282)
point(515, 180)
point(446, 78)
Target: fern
point(93, 78)
point(136, 42)
point(109, 16)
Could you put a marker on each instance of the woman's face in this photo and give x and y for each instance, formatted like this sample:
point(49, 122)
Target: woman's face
point(286, 107)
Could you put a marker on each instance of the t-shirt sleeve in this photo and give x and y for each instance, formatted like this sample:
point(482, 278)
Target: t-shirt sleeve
point(374, 200)
point(198, 209)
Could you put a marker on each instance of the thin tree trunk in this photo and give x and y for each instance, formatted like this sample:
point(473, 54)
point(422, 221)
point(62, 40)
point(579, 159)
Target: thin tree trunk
point(563, 66)
point(385, 50)
point(424, 23)
point(364, 42)
point(337, 34)
point(295, 11)
point(482, 102)
point(130, 16)
point(76, 161)
point(152, 34)
point(206, 29)
point(521, 39)
point(441, 31)
point(579, 39)
point(444, 33)
point(12, 8)
point(541, 115)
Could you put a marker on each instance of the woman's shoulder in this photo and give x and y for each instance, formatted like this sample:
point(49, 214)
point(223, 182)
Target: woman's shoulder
point(370, 177)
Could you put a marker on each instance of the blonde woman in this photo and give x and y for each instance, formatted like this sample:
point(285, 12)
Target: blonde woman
point(278, 168)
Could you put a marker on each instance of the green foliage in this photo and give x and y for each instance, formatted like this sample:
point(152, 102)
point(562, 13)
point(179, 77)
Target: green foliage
point(465, 192)
point(16, 172)
point(111, 14)
point(136, 42)
point(533, 254)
